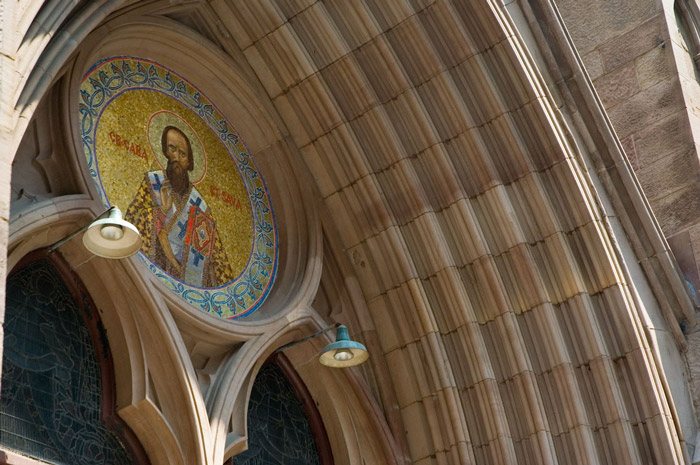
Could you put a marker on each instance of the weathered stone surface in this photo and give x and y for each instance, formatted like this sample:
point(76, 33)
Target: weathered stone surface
point(596, 22)
point(617, 85)
point(290, 8)
point(634, 43)
point(679, 209)
point(315, 32)
point(694, 365)
point(665, 136)
point(355, 23)
point(669, 174)
point(636, 113)
point(628, 145)
point(654, 66)
point(594, 64)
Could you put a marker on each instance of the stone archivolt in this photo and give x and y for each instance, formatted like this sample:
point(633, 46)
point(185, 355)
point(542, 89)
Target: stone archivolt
point(482, 237)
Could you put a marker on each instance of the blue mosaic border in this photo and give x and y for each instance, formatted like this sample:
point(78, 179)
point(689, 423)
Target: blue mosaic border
point(111, 77)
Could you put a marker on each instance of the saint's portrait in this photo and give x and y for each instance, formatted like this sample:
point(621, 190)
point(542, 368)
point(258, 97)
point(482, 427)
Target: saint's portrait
point(178, 227)
point(159, 150)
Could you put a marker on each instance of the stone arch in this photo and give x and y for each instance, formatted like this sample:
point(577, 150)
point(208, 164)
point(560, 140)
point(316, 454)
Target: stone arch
point(71, 434)
point(157, 334)
point(494, 232)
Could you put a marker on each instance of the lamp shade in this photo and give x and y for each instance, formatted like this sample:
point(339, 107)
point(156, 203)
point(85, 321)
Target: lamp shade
point(112, 237)
point(343, 352)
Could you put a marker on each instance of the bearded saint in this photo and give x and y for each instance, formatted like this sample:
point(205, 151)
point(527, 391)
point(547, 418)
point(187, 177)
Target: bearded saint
point(178, 229)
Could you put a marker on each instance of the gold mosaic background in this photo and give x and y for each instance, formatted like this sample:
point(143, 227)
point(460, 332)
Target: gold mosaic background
point(123, 165)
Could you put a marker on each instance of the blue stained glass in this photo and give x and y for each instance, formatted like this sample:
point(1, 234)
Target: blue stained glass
point(279, 432)
point(51, 399)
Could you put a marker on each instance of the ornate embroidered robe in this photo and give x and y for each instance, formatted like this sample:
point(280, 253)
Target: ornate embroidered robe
point(180, 238)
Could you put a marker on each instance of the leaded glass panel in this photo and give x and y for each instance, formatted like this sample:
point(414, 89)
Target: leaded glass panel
point(279, 432)
point(51, 398)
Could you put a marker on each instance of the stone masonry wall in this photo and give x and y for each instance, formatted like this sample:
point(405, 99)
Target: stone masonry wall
point(628, 50)
point(637, 56)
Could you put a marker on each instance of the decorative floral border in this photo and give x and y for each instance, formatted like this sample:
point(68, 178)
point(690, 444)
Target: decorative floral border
point(109, 78)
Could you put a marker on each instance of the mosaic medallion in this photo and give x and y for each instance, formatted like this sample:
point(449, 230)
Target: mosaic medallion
point(162, 152)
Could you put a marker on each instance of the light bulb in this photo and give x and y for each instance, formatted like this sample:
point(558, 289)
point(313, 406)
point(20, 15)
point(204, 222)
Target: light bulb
point(343, 355)
point(111, 232)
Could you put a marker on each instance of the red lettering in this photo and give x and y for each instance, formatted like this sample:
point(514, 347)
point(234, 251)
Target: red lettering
point(137, 150)
point(224, 196)
point(128, 145)
point(231, 200)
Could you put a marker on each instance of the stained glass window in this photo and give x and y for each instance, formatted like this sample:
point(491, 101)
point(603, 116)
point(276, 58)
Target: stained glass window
point(51, 399)
point(279, 432)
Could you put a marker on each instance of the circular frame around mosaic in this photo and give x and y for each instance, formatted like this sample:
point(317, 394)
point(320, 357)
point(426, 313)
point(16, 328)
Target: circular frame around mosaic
point(162, 152)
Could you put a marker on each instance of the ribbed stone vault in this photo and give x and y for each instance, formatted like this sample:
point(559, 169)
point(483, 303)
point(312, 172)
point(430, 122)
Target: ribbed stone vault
point(506, 322)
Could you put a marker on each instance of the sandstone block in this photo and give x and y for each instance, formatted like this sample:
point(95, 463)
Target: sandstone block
point(445, 107)
point(318, 35)
point(414, 51)
point(678, 210)
point(383, 72)
point(449, 40)
point(628, 146)
point(594, 64)
point(355, 23)
point(594, 22)
point(404, 378)
point(383, 318)
point(634, 43)
point(419, 442)
point(389, 13)
point(293, 7)
point(257, 18)
point(655, 66)
point(349, 87)
point(646, 107)
point(617, 85)
point(669, 174)
point(662, 138)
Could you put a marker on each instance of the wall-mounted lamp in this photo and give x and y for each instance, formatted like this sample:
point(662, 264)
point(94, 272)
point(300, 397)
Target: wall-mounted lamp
point(339, 354)
point(108, 236)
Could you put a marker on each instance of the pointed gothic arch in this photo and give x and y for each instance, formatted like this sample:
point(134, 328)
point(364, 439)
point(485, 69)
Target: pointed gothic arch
point(58, 392)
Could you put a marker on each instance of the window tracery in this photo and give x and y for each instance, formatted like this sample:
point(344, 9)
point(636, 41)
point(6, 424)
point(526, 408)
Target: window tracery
point(54, 404)
point(280, 427)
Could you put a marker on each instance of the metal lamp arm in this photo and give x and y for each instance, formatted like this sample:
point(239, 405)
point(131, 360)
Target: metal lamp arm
point(58, 244)
point(299, 341)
